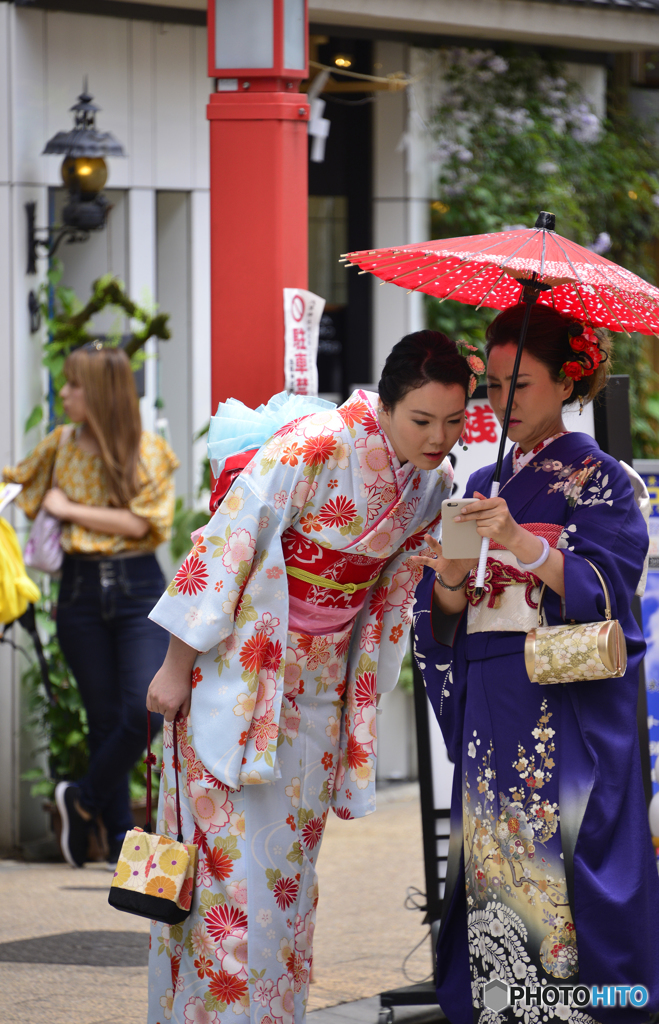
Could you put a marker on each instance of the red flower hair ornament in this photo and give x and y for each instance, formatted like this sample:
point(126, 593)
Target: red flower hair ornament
point(585, 344)
point(476, 365)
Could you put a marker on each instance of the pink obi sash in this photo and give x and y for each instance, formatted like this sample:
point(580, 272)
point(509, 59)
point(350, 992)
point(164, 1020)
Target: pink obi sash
point(324, 607)
point(550, 531)
point(500, 575)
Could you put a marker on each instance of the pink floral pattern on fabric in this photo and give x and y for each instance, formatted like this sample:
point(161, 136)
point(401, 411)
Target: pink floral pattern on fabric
point(330, 478)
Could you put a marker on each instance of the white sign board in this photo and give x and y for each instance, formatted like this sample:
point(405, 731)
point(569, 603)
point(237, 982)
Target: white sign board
point(302, 313)
point(482, 433)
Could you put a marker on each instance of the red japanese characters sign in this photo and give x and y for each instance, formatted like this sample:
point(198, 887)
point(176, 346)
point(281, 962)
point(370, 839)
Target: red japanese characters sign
point(480, 425)
point(302, 313)
point(481, 435)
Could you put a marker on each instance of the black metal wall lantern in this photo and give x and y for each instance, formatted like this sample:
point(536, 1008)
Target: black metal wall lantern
point(84, 172)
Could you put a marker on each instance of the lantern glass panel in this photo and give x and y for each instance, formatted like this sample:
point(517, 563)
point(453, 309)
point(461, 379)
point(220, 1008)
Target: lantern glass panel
point(294, 41)
point(244, 34)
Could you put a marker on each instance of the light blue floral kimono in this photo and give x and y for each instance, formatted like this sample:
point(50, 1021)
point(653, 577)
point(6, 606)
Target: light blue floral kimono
point(298, 597)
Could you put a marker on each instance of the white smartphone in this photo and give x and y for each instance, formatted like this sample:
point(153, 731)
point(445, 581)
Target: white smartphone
point(459, 540)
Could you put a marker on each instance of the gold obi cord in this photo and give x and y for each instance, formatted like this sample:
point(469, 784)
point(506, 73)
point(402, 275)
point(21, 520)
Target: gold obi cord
point(322, 581)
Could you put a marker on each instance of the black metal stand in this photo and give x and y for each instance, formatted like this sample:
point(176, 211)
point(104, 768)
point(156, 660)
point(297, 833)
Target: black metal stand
point(435, 824)
point(613, 435)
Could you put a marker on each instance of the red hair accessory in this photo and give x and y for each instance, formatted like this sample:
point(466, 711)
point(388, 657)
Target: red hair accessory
point(582, 339)
point(476, 365)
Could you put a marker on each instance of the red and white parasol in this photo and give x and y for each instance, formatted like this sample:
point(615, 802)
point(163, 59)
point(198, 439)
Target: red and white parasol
point(525, 265)
point(489, 270)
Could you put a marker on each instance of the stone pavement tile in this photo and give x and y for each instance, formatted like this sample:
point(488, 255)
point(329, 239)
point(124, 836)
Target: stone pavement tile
point(363, 931)
point(86, 949)
point(45, 994)
point(40, 900)
point(362, 936)
point(48, 899)
point(365, 1011)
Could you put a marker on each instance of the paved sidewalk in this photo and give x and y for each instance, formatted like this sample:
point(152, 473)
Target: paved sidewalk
point(365, 1011)
point(66, 957)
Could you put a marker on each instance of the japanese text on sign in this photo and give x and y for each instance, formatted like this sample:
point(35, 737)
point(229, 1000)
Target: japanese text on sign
point(481, 435)
point(302, 313)
point(480, 426)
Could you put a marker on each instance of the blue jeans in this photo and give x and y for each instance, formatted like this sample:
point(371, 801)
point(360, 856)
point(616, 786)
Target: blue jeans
point(114, 651)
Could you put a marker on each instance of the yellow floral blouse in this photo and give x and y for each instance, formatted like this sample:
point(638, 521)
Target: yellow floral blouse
point(80, 475)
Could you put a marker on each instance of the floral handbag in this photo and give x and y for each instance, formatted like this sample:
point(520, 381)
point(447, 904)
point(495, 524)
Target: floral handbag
point(155, 875)
point(576, 652)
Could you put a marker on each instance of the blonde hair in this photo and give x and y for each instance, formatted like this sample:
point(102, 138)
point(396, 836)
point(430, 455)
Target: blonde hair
point(113, 414)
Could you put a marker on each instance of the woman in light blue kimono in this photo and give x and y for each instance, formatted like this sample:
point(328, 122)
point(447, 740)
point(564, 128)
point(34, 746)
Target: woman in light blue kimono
point(288, 617)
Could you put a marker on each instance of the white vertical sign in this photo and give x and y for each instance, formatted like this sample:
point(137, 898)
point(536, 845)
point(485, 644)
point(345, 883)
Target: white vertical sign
point(302, 313)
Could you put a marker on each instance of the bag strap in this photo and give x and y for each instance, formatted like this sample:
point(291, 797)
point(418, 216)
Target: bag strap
point(67, 431)
point(149, 761)
point(607, 609)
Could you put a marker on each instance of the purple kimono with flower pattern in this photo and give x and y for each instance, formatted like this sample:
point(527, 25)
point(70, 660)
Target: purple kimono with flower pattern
point(552, 877)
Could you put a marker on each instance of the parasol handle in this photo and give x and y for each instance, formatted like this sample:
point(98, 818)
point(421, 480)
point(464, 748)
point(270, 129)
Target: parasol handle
point(530, 293)
point(485, 547)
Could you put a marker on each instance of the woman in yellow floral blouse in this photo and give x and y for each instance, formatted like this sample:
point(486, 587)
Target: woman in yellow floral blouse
point(114, 495)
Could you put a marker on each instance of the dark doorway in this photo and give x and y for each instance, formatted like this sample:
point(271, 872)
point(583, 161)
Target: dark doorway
point(340, 202)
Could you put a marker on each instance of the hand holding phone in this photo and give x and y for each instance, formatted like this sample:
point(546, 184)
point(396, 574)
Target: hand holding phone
point(459, 540)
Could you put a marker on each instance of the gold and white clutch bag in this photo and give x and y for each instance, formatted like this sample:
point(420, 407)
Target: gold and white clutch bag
point(576, 652)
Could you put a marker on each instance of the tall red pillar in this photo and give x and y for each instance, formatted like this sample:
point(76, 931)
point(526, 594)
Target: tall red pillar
point(258, 203)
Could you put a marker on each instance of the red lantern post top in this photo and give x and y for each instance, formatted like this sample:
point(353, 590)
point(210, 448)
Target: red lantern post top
point(258, 188)
point(260, 45)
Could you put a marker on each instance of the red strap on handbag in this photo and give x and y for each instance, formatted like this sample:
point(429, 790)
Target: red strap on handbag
point(233, 467)
point(150, 761)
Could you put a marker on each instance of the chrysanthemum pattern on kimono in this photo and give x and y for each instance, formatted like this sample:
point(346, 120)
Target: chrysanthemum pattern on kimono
point(331, 479)
point(283, 702)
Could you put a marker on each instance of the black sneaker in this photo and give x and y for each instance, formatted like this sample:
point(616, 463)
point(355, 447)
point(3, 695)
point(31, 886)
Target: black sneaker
point(75, 826)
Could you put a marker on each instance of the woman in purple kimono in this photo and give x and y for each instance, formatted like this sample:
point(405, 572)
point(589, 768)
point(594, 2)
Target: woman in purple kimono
point(551, 876)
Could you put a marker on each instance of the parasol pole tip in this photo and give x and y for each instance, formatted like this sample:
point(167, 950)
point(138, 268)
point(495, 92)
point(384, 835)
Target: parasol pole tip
point(546, 220)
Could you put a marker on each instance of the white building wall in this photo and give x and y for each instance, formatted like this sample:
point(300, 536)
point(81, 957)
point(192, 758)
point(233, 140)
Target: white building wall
point(141, 281)
point(395, 215)
point(151, 85)
point(568, 25)
point(200, 322)
point(8, 709)
point(592, 79)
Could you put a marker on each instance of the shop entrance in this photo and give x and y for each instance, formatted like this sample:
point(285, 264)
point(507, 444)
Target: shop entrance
point(340, 201)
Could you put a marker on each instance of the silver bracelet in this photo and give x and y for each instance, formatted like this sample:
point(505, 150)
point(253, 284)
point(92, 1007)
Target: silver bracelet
point(446, 586)
point(528, 566)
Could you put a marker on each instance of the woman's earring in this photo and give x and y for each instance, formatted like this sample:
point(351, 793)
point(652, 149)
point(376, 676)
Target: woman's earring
point(462, 444)
point(580, 404)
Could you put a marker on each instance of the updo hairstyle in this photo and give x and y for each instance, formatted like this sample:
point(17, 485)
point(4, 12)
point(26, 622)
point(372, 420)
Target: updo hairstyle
point(421, 358)
point(548, 341)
